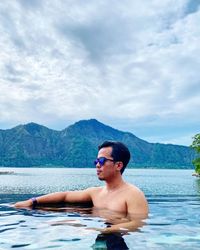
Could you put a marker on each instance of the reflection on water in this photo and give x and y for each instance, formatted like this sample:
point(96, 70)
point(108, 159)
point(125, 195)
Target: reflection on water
point(102, 241)
point(110, 242)
point(56, 227)
point(173, 223)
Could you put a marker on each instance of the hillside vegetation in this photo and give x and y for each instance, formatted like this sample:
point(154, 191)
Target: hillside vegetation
point(76, 146)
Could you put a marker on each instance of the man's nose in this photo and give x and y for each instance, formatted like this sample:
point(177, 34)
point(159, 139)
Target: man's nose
point(98, 165)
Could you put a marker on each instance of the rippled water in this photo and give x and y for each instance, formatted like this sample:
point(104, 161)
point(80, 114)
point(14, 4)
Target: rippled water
point(173, 223)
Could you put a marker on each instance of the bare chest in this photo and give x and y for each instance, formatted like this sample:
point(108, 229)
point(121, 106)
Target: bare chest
point(113, 201)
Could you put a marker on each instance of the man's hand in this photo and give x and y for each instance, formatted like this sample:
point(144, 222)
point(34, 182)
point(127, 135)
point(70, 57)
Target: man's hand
point(21, 204)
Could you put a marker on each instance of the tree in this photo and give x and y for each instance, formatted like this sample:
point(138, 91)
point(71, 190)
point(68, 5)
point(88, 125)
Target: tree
point(196, 146)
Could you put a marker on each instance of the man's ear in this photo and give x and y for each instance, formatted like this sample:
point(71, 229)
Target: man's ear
point(119, 165)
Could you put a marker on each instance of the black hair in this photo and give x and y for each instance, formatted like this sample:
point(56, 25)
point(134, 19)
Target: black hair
point(120, 152)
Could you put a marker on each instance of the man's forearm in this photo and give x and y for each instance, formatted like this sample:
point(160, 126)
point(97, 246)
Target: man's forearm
point(124, 227)
point(52, 198)
point(44, 199)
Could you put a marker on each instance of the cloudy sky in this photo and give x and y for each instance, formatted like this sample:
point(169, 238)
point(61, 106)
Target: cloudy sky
point(133, 65)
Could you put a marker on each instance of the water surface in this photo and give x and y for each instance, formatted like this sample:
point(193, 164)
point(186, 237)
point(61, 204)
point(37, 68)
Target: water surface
point(173, 223)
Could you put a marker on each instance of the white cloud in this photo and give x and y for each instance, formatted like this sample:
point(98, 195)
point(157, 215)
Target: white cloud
point(130, 64)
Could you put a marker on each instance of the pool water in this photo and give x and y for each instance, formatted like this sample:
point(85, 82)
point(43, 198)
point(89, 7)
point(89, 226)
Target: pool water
point(173, 223)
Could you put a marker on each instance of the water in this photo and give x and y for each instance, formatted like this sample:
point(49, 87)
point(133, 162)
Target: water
point(173, 223)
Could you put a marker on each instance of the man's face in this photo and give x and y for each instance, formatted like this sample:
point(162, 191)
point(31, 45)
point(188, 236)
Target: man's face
point(107, 170)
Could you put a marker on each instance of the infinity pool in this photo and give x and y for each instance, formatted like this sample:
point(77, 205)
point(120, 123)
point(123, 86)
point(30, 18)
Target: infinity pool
point(173, 223)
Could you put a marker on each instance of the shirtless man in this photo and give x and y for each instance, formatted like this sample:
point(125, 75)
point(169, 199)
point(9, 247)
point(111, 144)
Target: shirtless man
point(116, 195)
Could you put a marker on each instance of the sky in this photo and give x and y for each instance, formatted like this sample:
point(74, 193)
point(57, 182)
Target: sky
point(132, 65)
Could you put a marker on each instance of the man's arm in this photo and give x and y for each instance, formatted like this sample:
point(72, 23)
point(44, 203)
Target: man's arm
point(137, 204)
point(132, 225)
point(58, 197)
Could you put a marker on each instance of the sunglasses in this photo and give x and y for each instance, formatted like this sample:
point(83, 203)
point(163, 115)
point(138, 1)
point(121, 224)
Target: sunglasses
point(101, 161)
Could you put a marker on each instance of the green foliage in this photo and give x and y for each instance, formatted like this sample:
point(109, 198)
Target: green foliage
point(196, 143)
point(196, 163)
point(196, 146)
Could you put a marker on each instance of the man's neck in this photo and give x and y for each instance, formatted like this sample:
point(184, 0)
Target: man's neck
point(115, 184)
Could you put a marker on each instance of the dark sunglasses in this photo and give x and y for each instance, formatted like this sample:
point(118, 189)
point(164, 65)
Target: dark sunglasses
point(101, 161)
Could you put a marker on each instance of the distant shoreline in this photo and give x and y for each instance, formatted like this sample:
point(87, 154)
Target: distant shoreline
point(6, 172)
point(42, 167)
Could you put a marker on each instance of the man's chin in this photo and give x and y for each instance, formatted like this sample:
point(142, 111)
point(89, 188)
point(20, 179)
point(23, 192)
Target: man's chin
point(101, 178)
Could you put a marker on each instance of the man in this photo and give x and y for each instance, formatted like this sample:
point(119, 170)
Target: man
point(116, 195)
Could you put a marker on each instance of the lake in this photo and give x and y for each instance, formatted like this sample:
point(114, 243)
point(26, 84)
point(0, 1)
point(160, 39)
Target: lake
point(173, 223)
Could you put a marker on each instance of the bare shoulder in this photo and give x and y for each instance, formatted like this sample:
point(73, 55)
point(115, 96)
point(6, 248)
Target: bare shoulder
point(94, 190)
point(133, 190)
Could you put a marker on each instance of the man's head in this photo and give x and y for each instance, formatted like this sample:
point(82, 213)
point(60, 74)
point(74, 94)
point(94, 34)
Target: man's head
point(119, 152)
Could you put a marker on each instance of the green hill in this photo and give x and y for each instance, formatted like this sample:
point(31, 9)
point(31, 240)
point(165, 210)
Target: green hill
point(76, 146)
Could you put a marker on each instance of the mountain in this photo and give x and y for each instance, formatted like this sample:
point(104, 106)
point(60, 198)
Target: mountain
point(76, 146)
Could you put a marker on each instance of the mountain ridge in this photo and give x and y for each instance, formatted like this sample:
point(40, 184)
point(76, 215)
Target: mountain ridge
point(32, 144)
